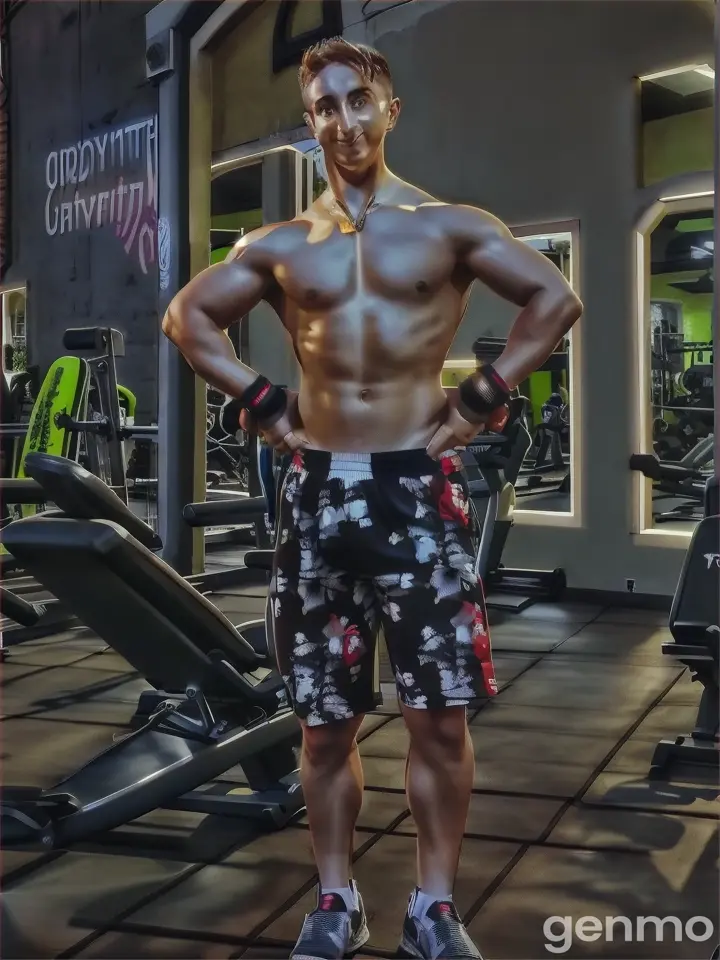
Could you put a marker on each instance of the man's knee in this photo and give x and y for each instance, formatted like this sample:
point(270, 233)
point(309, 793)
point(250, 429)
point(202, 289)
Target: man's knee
point(331, 744)
point(438, 734)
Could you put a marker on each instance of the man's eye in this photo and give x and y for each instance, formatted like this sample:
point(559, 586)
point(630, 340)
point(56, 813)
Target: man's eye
point(359, 103)
point(326, 112)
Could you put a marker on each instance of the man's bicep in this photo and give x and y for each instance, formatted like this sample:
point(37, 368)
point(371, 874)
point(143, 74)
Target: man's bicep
point(227, 291)
point(508, 266)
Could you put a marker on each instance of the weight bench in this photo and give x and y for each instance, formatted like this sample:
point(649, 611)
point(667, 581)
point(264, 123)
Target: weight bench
point(695, 625)
point(220, 703)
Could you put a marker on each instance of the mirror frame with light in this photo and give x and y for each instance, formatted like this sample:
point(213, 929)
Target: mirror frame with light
point(642, 499)
point(573, 516)
point(5, 289)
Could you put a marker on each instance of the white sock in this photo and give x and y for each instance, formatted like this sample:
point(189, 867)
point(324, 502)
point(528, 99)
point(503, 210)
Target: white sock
point(349, 894)
point(420, 903)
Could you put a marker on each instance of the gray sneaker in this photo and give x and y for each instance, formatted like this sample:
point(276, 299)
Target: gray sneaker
point(332, 931)
point(445, 938)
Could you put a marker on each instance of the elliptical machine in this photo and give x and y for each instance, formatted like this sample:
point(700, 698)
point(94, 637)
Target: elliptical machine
point(492, 464)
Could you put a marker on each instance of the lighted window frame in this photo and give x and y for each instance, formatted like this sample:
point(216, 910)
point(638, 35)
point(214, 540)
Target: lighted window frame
point(573, 516)
point(642, 500)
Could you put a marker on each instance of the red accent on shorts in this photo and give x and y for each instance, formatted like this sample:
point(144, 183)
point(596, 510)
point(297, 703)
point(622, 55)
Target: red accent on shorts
point(259, 397)
point(448, 508)
point(352, 652)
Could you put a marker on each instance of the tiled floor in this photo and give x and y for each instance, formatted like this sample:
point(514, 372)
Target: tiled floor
point(563, 821)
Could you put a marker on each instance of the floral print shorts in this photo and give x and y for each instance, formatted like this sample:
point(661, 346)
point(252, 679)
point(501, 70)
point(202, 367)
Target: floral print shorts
point(370, 541)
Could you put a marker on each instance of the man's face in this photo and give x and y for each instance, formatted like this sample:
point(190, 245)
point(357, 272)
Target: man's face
point(349, 115)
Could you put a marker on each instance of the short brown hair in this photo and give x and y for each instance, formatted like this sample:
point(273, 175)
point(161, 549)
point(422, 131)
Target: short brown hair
point(368, 62)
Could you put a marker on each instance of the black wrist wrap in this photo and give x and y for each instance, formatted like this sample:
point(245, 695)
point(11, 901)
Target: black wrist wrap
point(486, 393)
point(263, 400)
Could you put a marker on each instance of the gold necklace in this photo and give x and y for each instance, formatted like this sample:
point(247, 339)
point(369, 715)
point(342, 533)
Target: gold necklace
point(354, 224)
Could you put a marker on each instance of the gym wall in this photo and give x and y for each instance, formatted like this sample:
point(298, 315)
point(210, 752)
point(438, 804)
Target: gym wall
point(82, 180)
point(540, 125)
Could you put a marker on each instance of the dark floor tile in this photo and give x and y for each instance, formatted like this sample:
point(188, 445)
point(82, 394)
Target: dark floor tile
point(121, 946)
point(685, 692)
point(55, 652)
point(556, 719)
point(521, 761)
point(588, 686)
point(386, 875)
point(371, 722)
point(240, 608)
point(531, 636)
point(51, 689)
point(656, 618)
point(635, 790)
point(11, 671)
point(667, 720)
point(57, 906)
point(384, 773)
point(107, 660)
point(509, 666)
point(668, 837)
point(563, 612)
point(621, 642)
point(41, 752)
point(244, 590)
point(635, 756)
point(555, 883)
point(390, 740)
point(510, 818)
point(260, 952)
point(230, 900)
point(521, 746)
point(177, 835)
point(12, 860)
point(116, 713)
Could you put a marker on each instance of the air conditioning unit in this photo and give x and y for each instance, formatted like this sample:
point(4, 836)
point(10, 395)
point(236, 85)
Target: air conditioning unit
point(160, 55)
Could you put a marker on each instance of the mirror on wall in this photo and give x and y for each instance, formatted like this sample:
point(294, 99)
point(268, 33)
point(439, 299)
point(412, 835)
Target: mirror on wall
point(14, 330)
point(544, 475)
point(680, 347)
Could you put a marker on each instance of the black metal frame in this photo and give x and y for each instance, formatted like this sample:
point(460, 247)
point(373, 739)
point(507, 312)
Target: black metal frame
point(175, 23)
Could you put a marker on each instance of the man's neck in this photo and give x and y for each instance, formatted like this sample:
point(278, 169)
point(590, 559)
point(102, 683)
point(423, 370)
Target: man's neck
point(355, 192)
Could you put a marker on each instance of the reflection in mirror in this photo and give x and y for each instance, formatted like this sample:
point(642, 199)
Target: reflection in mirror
point(14, 330)
point(543, 478)
point(236, 209)
point(681, 390)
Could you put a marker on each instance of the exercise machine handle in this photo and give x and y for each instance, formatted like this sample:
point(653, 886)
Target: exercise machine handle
point(212, 513)
point(259, 560)
point(17, 609)
point(22, 490)
point(649, 465)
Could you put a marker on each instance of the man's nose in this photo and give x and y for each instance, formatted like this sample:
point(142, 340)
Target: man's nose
point(346, 121)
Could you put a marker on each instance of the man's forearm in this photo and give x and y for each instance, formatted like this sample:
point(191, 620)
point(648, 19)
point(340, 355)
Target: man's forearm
point(538, 329)
point(208, 350)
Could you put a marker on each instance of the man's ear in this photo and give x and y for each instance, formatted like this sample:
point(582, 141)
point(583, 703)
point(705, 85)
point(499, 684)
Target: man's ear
point(309, 123)
point(395, 107)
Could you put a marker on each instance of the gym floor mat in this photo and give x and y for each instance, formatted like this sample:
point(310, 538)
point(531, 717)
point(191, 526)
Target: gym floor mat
point(563, 819)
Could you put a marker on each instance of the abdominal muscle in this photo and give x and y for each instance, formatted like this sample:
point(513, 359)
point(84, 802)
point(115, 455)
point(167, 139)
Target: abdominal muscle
point(351, 417)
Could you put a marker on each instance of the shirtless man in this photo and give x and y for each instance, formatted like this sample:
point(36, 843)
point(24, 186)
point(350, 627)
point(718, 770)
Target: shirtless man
point(371, 283)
